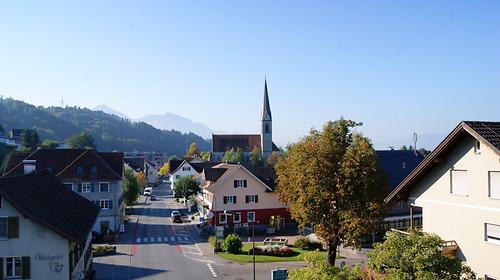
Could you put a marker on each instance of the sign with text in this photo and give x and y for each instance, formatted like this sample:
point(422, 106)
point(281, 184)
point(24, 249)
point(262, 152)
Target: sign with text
point(219, 232)
point(279, 274)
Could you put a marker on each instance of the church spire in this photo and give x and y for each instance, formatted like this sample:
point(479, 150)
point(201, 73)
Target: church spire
point(266, 109)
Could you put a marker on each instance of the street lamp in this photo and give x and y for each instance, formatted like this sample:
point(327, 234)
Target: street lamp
point(229, 213)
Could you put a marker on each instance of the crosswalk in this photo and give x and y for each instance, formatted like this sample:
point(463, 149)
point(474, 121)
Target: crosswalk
point(164, 239)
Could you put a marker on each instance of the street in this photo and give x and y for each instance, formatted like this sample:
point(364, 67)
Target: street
point(154, 247)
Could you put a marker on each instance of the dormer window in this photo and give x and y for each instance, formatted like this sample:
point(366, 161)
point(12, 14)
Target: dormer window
point(186, 168)
point(93, 170)
point(403, 165)
point(79, 170)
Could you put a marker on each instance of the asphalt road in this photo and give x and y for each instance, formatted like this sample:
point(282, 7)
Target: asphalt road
point(155, 248)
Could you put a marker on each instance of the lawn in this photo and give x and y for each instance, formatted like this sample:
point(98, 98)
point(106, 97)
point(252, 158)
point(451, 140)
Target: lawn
point(243, 257)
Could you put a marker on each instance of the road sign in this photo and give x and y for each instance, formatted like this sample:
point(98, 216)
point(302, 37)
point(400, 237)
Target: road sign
point(279, 274)
point(202, 219)
point(219, 232)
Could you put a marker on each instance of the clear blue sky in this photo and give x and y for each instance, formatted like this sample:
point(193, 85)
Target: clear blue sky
point(397, 66)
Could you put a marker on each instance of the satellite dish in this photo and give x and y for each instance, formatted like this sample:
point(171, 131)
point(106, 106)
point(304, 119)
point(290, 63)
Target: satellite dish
point(210, 215)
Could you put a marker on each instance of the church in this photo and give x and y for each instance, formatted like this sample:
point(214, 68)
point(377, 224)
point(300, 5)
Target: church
point(247, 142)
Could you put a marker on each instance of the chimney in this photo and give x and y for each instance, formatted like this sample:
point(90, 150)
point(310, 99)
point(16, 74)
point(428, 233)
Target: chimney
point(29, 166)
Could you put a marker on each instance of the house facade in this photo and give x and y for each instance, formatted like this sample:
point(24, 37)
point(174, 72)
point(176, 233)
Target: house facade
point(458, 188)
point(189, 169)
point(40, 239)
point(248, 194)
point(96, 176)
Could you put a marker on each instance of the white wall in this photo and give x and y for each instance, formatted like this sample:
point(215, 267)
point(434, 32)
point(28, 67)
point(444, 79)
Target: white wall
point(463, 218)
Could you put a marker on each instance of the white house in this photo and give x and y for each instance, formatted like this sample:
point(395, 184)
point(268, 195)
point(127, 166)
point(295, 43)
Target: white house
point(41, 239)
point(189, 169)
point(458, 188)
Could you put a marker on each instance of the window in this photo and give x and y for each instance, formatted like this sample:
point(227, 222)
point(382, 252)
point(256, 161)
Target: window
point(477, 148)
point(104, 187)
point(93, 170)
point(79, 170)
point(252, 199)
point(13, 267)
point(69, 186)
point(251, 217)
point(237, 217)
point(492, 233)
point(222, 218)
point(494, 180)
point(459, 182)
point(186, 168)
point(240, 183)
point(229, 199)
point(3, 228)
point(86, 187)
point(177, 176)
point(104, 203)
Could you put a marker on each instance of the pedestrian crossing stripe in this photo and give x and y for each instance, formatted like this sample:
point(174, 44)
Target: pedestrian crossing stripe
point(183, 239)
point(172, 238)
point(159, 239)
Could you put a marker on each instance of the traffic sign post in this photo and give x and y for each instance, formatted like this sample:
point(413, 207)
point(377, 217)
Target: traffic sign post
point(279, 274)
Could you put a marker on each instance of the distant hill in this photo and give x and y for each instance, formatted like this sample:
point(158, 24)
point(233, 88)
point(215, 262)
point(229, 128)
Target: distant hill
point(109, 131)
point(171, 121)
point(110, 111)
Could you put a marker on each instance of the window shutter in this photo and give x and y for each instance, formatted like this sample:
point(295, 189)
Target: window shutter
point(1, 268)
point(244, 183)
point(246, 198)
point(79, 187)
point(110, 204)
point(494, 184)
point(235, 184)
point(256, 199)
point(92, 187)
point(459, 182)
point(225, 199)
point(25, 265)
point(13, 227)
point(234, 199)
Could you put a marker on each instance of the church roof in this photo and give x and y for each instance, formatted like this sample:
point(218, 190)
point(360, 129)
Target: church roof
point(224, 142)
point(266, 109)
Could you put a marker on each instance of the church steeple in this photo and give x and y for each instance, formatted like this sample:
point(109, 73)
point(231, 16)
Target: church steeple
point(267, 125)
point(266, 109)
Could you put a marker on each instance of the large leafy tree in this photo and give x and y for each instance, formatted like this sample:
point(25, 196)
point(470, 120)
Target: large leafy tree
point(192, 151)
point(234, 156)
point(82, 140)
point(130, 187)
point(164, 169)
point(49, 144)
point(30, 139)
point(185, 187)
point(331, 179)
point(141, 179)
point(416, 256)
point(205, 155)
point(255, 157)
point(273, 158)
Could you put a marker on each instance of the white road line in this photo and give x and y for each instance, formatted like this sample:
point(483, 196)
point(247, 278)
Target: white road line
point(172, 238)
point(186, 238)
point(159, 239)
point(165, 239)
point(138, 240)
point(212, 270)
point(145, 240)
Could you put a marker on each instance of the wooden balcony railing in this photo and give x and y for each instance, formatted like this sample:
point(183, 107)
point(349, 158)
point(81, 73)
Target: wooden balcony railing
point(449, 248)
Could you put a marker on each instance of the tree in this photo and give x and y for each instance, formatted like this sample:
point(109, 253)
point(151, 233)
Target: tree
point(255, 157)
point(164, 169)
point(416, 256)
point(130, 187)
point(273, 158)
point(228, 155)
point(331, 179)
point(319, 270)
point(185, 187)
point(424, 151)
point(205, 156)
point(49, 144)
point(82, 140)
point(232, 156)
point(141, 179)
point(30, 139)
point(192, 151)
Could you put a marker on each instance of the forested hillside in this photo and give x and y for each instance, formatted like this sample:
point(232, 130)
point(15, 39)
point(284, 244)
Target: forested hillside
point(109, 132)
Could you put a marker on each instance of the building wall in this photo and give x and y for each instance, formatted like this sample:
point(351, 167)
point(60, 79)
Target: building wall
point(48, 251)
point(463, 218)
point(114, 215)
point(180, 173)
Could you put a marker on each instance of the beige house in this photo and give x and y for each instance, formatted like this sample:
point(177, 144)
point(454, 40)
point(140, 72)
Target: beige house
point(458, 188)
point(41, 239)
point(247, 193)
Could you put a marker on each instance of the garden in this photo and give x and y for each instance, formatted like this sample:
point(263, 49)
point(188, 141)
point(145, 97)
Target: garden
point(233, 249)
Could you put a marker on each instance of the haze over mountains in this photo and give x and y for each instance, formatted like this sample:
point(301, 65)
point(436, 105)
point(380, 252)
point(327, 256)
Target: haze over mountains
point(167, 121)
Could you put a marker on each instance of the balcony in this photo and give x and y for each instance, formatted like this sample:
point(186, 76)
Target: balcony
point(449, 248)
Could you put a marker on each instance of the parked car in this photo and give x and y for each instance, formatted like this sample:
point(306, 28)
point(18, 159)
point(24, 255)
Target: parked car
point(153, 197)
point(176, 217)
point(147, 192)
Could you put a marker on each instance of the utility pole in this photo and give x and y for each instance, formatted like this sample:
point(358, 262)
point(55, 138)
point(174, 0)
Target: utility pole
point(415, 143)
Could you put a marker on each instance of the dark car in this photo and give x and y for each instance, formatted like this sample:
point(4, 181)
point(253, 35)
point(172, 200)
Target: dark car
point(153, 197)
point(176, 217)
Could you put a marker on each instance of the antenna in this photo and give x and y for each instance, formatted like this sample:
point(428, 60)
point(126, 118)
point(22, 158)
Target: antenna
point(62, 102)
point(415, 143)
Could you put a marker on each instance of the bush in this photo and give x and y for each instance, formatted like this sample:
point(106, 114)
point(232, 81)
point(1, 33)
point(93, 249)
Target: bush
point(232, 244)
point(305, 243)
point(272, 250)
point(212, 240)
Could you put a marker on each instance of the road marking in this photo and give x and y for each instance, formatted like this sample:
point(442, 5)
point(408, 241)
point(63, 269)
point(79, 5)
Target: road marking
point(138, 240)
point(186, 238)
point(159, 239)
point(165, 239)
point(172, 238)
point(212, 270)
point(145, 240)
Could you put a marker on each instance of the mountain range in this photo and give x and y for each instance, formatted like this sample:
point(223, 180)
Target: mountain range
point(110, 132)
point(167, 121)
